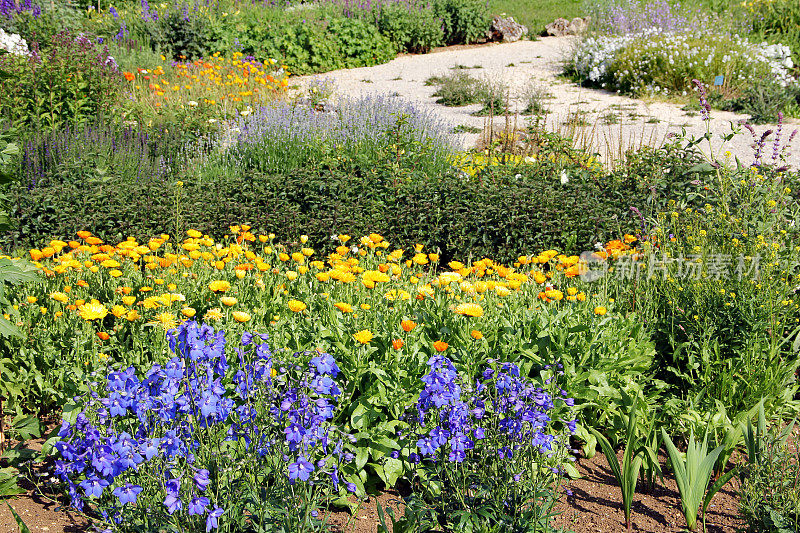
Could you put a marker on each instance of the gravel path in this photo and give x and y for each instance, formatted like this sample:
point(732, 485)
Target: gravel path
point(601, 120)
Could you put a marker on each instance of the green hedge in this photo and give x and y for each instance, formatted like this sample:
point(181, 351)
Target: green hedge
point(501, 213)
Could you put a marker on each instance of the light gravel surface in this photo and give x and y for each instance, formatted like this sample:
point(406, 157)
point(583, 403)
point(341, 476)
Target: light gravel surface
point(605, 122)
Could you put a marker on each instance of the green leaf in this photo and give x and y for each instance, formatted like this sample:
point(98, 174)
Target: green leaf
point(20, 524)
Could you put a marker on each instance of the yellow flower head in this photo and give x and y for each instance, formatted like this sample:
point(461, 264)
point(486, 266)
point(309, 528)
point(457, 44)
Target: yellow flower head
point(93, 310)
point(469, 309)
point(364, 336)
point(344, 307)
point(228, 301)
point(219, 285)
point(213, 314)
point(297, 306)
point(241, 316)
point(59, 297)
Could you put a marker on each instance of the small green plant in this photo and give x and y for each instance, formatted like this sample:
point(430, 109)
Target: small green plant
point(464, 128)
point(627, 472)
point(693, 474)
point(456, 89)
point(533, 98)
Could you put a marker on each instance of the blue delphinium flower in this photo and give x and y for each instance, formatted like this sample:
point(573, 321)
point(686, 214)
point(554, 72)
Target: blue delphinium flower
point(179, 414)
point(128, 493)
point(173, 501)
point(212, 520)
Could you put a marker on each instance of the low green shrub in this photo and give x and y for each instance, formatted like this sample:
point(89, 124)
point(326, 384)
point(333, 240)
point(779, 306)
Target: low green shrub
point(412, 27)
point(463, 21)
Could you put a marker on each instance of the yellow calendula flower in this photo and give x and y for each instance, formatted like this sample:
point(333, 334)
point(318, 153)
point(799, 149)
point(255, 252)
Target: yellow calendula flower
point(241, 316)
point(469, 309)
point(59, 297)
point(165, 320)
point(600, 310)
point(476, 334)
point(296, 306)
point(228, 301)
point(188, 312)
point(118, 311)
point(219, 285)
point(213, 314)
point(93, 310)
point(364, 336)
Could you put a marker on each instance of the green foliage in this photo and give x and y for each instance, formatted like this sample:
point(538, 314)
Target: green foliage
point(72, 82)
point(768, 497)
point(360, 45)
point(627, 472)
point(464, 21)
point(179, 35)
point(692, 475)
point(763, 100)
point(411, 27)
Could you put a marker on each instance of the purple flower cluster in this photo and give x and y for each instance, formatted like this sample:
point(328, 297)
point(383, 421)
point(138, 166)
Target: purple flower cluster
point(169, 426)
point(9, 8)
point(503, 406)
point(627, 17)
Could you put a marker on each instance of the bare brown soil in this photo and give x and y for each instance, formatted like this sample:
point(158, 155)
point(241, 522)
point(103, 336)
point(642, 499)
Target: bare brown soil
point(594, 507)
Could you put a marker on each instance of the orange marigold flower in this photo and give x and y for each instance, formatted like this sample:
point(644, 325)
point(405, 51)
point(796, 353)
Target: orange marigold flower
point(440, 346)
point(408, 325)
point(103, 335)
point(476, 334)
point(397, 344)
point(600, 310)
point(343, 307)
point(130, 76)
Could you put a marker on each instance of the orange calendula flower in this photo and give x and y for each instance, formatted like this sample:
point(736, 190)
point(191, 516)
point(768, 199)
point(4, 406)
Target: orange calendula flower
point(600, 310)
point(397, 344)
point(296, 306)
point(476, 334)
point(408, 325)
point(130, 76)
point(343, 307)
point(469, 309)
point(103, 335)
point(364, 336)
point(440, 346)
point(219, 285)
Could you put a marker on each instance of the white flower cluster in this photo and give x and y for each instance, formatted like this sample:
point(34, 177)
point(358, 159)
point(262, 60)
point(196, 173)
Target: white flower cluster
point(633, 63)
point(13, 43)
point(779, 56)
